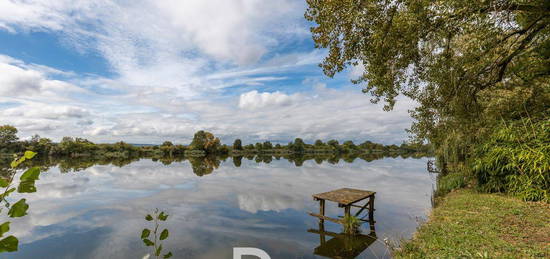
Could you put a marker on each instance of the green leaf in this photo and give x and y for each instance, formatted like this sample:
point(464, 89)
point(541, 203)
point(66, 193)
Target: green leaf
point(21, 160)
point(9, 244)
point(27, 180)
point(14, 164)
point(162, 216)
point(16, 161)
point(164, 234)
point(148, 242)
point(19, 209)
point(148, 217)
point(5, 227)
point(145, 233)
point(29, 154)
point(31, 174)
point(3, 183)
point(168, 255)
point(26, 187)
point(158, 250)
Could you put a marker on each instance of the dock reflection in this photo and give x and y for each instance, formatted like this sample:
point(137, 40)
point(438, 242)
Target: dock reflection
point(341, 245)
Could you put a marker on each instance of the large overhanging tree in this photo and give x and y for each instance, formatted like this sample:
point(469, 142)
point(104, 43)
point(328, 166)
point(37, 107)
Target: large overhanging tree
point(467, 63)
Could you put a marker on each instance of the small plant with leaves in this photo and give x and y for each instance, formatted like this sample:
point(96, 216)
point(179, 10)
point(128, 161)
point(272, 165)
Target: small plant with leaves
point(153, 238)
point(19, 208)
point(351, 225)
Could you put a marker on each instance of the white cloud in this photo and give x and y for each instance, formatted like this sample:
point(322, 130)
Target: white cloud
point(41, 14)
point(41, 104)
point(55, 108)
point(47, 112)
point(18, 79)
point(262, 202)
point(97, 131)
point(220, 28)
point(357, 71)
point(182, 66)
point(321, 113)
point(166, 44)
point(253, 100)
point(278, 63)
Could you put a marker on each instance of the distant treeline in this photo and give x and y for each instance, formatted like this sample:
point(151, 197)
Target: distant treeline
point(200, 165)
point(203, 144)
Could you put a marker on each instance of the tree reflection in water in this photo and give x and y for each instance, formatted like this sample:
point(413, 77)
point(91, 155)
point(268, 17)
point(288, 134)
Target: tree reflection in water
point(204, 165)
point(237, 161)
point(201, 165)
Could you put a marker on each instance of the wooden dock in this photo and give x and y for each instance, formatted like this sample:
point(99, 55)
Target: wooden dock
point(346, 198)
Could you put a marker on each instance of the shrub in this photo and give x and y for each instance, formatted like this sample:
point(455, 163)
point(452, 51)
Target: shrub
point(450, 181)
point(515, 159)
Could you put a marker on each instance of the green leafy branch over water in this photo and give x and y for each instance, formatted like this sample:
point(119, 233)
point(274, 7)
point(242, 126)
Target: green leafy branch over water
point(19, 208)
point(152, 238)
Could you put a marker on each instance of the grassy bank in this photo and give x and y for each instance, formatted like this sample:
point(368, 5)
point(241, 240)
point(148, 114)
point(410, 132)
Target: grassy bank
point(478, 225)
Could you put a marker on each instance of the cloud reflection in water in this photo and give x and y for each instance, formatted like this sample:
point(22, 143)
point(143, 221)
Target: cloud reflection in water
point(260, 205)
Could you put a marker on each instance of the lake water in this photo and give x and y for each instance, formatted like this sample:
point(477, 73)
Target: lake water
point(98, 212)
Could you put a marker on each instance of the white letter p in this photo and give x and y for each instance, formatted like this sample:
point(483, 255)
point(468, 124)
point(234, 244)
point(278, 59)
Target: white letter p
point(238, 252)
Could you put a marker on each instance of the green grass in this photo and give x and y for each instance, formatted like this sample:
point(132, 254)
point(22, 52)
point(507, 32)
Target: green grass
point(449, 182)
point(467, 224)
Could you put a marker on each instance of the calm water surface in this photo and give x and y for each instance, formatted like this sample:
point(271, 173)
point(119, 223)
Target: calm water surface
point(99, 212)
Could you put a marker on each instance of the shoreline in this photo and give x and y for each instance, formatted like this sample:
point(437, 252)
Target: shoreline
point(466, 223)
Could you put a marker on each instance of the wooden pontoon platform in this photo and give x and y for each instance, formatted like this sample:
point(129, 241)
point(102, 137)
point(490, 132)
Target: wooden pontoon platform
point(346, 198)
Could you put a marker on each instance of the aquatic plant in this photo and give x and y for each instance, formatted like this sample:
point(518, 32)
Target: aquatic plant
point(19, 208)
point(157, 235)
point(351, 225)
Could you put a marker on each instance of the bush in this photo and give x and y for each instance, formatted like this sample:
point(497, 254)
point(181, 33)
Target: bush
point(515, 159)
point(450, 181)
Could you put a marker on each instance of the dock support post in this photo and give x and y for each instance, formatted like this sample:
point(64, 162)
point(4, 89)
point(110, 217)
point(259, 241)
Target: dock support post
point(322, 210)
point(371, 209)
point(322, 230)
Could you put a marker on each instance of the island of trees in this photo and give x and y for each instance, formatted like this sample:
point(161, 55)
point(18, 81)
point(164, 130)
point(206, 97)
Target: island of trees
point(203, 144)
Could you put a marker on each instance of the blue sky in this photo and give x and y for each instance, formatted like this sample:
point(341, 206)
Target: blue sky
point(147, 71)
